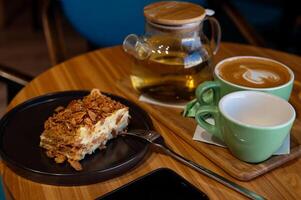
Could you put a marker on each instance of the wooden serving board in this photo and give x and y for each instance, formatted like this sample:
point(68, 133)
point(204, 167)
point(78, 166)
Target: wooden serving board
point(185, 128)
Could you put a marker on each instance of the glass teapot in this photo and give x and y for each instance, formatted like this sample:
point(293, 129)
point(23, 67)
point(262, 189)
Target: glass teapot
point(174, 55)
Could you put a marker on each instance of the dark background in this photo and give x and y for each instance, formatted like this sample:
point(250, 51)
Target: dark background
point(22, 43)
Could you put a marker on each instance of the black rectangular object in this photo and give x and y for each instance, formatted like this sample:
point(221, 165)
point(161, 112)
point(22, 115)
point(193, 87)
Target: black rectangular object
point(162, 183)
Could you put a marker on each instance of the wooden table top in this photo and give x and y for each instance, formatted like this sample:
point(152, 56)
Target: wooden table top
point(101, 69)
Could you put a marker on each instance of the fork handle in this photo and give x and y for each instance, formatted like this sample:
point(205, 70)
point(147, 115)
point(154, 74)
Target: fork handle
point(211, 174)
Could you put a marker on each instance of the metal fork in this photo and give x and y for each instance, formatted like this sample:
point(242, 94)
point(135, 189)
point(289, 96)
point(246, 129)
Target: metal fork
point(157, 140)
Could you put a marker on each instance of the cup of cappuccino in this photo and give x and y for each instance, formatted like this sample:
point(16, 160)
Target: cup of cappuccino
point(247, 73)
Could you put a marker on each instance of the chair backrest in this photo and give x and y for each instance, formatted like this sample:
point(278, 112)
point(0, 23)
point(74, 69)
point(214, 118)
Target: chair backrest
point(106, 22)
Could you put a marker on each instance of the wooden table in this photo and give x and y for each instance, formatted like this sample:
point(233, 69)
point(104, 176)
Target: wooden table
point(101, 69)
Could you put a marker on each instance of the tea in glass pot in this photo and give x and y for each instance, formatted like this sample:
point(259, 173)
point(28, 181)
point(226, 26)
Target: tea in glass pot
point(173, 56)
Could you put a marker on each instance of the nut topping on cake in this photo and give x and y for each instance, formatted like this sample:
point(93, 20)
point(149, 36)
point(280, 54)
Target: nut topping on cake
point(83, 126)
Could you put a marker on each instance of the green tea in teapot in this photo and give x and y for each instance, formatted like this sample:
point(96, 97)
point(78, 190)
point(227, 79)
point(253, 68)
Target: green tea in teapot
point(173, 56)
point(168, 74)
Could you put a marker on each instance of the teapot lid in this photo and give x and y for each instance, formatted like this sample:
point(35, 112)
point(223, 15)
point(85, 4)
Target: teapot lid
point(174, 13)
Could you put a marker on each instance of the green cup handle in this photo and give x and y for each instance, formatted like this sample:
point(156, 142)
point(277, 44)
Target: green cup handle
point(204, 87)
point(201, 116)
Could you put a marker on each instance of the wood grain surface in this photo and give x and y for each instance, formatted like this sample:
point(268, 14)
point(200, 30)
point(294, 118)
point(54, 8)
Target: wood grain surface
point(174, 13)
point(106, 69)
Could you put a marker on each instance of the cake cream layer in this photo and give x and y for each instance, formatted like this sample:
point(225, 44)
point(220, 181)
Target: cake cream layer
point(88, 139)
point(103, 132)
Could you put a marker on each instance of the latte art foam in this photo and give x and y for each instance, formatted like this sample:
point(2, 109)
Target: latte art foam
point(258, 76)
point(254, 73)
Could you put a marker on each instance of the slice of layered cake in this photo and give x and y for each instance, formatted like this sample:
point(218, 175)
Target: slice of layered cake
point(82, 127)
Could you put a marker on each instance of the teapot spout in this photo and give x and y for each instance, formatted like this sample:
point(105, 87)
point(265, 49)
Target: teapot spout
point(136, 46)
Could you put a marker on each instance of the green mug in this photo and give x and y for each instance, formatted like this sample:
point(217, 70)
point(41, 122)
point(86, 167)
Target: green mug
point(252, 124)
point(215, 90)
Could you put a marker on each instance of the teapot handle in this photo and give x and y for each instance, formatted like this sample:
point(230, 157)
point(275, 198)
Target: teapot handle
point(215, 34)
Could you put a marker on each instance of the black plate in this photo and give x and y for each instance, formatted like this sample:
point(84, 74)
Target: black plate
point(20, 136)
point(162, 183)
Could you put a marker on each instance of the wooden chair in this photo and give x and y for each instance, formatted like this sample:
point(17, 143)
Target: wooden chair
point(247, 31)
point(52, 26)
point(266, 23)
point(13, 79)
